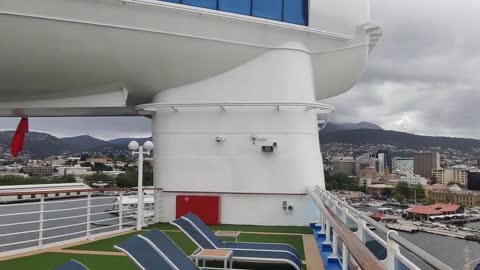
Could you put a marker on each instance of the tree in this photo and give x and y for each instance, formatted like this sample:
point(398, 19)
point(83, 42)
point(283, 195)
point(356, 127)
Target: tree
point(86, 164)
point(430, 201)
point(339, 182)
point(98, 177)
point(126, 180)
point(101, 167)
point(401, 191)
point(433, 180)
point(419, 191)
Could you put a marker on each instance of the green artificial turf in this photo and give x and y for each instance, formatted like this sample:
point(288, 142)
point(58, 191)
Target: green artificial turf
point(295, 240)
point(244, 228)
point(48, 261)
point(107, 244)
point(189, 247)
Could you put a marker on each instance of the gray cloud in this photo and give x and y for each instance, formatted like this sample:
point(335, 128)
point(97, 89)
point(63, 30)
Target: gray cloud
point(423, 71)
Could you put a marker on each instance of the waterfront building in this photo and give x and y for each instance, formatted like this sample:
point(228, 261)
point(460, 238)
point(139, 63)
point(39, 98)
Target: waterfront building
point(463, 197)
point(424, 163)
point(422, 212)
point(403, 166)
point(38, 170)
point(30, 192)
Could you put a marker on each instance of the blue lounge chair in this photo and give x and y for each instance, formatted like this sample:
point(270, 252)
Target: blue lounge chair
point(71, 265)
point(143, 255)
point(155, 251)
point(216, 241)
point(239, 254)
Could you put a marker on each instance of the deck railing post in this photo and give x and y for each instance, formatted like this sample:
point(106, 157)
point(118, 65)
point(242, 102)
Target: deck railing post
point(40, 225)
point(120, 212)
point(361, 225)
point(89, 212)
point(334, 246)
point(345, 257)
point(327, 234)
point(393, 249)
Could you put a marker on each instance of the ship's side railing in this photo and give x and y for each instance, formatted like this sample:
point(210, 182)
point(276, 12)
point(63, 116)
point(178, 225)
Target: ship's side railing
point(32, 220)
point(334, 217)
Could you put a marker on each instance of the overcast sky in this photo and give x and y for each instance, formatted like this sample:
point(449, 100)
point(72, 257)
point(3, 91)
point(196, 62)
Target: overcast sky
point(423, 77)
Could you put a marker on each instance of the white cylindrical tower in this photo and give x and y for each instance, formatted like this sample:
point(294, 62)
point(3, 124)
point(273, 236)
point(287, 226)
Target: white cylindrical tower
point(259, 154)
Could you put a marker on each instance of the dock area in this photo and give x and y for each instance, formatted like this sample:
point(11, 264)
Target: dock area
point(403, 227)
point(413, 227)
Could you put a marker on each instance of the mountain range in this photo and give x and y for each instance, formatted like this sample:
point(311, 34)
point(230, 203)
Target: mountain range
point(41, 145)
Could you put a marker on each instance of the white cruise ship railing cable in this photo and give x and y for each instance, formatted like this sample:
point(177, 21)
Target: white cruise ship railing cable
point(334, 233)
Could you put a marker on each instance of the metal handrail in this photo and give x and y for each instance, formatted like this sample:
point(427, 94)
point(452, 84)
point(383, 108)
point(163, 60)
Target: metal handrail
point(362, 255)
point(402, 242)
point(152, 107)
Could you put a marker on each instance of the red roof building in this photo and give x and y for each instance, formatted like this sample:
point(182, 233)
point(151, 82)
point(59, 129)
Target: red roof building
point(437, 209)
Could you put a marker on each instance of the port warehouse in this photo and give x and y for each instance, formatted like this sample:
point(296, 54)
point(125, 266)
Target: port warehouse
point(18, 193)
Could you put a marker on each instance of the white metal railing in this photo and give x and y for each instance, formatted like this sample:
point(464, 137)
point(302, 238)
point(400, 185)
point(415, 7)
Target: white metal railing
point(45, 223)
point(394, 244)
point(153, 107)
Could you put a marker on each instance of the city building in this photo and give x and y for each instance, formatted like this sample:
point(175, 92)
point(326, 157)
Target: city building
point(74, 170)
point(473, 180)
point(424, 163)
point(365, 161)
point(385, 160)
point(380, 189)
point(403, 166)
point(38, 170)
point(456, 175)
point(455, 195)
point(422, 212)
point(61, 191)
point(366, 176)
point(414, 179)
point(99, 160)
point(343, 166)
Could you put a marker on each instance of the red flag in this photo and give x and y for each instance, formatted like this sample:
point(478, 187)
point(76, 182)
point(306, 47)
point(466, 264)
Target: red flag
point(19, 137)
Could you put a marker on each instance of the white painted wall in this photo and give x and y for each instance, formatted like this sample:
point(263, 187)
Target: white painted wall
point(254, 209)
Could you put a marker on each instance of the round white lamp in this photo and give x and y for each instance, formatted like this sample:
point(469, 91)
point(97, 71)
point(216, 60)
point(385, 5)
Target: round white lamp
point(133, 146)
point(148, 146)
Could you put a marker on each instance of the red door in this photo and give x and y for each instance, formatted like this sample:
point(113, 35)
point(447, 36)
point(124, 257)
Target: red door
point(205, 207)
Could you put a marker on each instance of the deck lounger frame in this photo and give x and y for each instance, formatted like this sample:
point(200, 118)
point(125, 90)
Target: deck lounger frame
point(162, 253)
point(72, 265)
point(247, 255)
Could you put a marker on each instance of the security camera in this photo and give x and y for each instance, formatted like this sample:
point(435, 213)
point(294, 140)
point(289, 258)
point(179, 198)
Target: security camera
point(219, 139)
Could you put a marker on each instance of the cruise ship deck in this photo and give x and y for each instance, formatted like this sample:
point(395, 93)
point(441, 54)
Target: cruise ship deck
point(233, 91)
point(100, 254)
